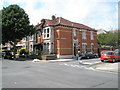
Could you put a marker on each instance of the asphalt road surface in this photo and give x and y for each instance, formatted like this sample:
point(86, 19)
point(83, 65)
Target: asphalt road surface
point(27, 74)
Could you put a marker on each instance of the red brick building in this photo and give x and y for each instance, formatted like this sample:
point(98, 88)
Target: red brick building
point(64, 38)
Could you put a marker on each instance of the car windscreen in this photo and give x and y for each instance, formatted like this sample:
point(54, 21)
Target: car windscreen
point(108, 53)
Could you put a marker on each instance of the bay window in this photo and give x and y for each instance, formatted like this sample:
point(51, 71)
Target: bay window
point(46, 33)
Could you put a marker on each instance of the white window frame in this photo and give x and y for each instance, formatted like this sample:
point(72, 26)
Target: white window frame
point(31, 47)
point(24, 39)
point(45, 33)
point(84, 47)
point(39, 33)
point(83, 34)
point(31, 38)
point(92, 35)
point(74, 32)
point(92, 47)
point(47, 47)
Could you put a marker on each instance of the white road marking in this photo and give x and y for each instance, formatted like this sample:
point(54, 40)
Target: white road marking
point(80, 65)
point(74, 65)
point(90, 63)
point(89, 68)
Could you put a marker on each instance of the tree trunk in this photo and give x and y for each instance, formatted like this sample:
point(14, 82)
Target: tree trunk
point(15, 50)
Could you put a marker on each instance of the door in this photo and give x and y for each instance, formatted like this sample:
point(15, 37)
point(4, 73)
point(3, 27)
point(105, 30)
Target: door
point(74, 49)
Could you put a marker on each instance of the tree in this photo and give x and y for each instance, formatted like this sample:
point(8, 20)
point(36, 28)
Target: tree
point(109, 38)
point(15, 25)
point(0, 27)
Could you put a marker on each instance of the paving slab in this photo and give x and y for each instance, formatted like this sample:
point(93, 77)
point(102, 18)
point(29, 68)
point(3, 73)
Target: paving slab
point(111, 67)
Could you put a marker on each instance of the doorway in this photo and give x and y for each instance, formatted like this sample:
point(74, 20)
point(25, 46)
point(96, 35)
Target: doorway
point(74, 49)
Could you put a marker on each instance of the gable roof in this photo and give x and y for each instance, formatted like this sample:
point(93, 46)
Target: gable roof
point(64, 22)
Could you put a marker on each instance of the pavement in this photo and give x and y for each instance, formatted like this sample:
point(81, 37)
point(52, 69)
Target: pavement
point(111, 67)
point(57, 60)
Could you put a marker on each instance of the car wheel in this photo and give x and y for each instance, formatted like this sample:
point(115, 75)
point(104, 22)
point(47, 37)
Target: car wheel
point(113, 60)
point(88, 57)
point(102, 60)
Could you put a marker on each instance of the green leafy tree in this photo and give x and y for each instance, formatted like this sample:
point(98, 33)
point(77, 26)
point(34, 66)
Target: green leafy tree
point(15, 25)
point(0, 27)
point(110, 38)
point(101, 38)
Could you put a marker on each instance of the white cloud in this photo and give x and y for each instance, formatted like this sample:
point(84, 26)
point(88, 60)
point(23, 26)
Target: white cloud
point(1, 4)
point(88, 12)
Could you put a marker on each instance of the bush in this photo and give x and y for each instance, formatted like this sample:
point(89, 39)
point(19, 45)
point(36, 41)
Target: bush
point(22, 51)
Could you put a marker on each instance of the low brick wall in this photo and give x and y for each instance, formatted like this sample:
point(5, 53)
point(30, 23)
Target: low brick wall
point(48, 57)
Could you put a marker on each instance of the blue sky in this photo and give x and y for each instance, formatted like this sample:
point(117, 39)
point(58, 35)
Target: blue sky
point(98, 14)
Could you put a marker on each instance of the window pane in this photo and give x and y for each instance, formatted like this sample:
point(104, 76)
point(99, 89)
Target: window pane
point(83, 35)
point(48, 30)
point(92, 37)
point(44, 30)
point(47, 35)
point(74, 32)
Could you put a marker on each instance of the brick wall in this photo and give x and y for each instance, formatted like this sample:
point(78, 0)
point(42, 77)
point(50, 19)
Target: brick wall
point(63, 40)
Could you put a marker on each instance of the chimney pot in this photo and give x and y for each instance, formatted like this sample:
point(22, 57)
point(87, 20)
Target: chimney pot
point(53, 17)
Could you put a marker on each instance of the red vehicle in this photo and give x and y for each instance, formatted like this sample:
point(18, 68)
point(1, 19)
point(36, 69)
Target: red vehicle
point(117, 55)
point(107, 56)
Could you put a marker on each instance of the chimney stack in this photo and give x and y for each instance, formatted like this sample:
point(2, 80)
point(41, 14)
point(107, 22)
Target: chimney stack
point(53, 17)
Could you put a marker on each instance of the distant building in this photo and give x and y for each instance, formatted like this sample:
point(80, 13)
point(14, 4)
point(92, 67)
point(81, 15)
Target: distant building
point(100, 31)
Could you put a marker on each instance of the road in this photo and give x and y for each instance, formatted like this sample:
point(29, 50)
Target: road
point(27, 74)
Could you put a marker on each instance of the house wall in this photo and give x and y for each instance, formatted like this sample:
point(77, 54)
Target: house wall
point(63, 40)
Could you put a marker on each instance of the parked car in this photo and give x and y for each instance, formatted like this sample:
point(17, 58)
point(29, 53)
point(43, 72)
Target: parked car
point(117, 55)
point(90, 55)
point(107, 56)
point(7, 55)
point(117, 50)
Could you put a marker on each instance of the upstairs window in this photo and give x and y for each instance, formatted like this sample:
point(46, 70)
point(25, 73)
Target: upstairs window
point(46, 33)
point(74, 32)
point(34, 36)
point(84, 35)
point(39, 33)
point(91, 35)
point(31, 37)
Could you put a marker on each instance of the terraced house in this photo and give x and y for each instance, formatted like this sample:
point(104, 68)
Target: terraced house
point(64, 38)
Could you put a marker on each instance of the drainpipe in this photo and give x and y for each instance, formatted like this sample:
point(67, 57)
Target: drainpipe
point(72, 44)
